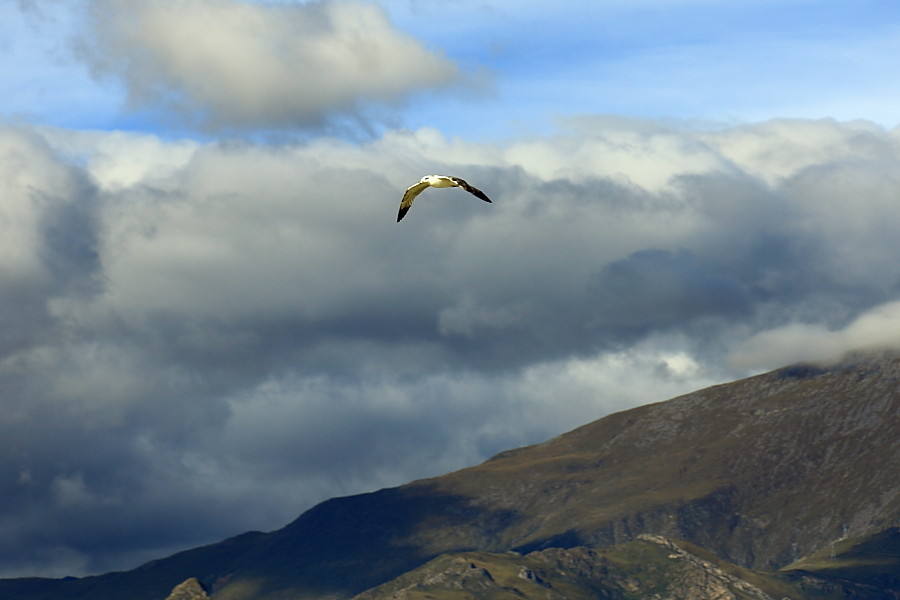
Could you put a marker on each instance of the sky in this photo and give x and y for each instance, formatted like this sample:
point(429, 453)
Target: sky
point(210, 319)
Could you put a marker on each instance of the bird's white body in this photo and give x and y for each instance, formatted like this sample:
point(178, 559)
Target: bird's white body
point(438, 181)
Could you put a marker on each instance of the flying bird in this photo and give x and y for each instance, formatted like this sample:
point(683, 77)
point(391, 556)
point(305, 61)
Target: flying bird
point(438, 181)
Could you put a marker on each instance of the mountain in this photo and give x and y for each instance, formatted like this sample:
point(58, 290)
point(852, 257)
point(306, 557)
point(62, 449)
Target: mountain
point(649, 567)
point(757, 475)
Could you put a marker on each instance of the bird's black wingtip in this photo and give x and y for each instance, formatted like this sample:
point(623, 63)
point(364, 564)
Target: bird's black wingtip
point(481, 195)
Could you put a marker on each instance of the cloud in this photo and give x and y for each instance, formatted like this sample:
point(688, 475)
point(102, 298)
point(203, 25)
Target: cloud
point(187, 323)
point(49, 241)
point(654, 288)
point(225, 64)
point(875, 329)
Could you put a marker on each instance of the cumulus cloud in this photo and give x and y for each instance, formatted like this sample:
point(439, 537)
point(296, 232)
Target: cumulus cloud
point(234, 65)
point(186, 324)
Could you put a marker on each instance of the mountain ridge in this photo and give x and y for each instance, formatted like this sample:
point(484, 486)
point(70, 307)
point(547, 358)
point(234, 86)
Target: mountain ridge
point(650, 566)
point(760, 472)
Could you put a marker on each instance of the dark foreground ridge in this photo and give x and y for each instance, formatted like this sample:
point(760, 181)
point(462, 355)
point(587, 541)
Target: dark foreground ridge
point(783, 485)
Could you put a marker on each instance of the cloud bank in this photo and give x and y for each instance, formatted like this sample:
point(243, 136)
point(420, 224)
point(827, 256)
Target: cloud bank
point(204, 338)
point(223, 64)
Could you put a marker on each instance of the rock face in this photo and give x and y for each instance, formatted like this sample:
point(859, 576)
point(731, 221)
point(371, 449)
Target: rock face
point(189, 589)
point(759, 473)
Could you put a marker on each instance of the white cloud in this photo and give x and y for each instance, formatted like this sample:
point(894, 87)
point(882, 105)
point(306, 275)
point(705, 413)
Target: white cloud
point(874, 330)
point(781, 148)
point(232, 64)
point(116, 160)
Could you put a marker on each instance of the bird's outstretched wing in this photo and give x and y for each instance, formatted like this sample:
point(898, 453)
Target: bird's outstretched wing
point(471, 189)
point(408, 198)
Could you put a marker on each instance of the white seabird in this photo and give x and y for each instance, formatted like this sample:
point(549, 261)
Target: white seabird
point(438, 181)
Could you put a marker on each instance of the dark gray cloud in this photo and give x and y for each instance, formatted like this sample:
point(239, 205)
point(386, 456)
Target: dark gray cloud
point(201, 339)
point(653, 289)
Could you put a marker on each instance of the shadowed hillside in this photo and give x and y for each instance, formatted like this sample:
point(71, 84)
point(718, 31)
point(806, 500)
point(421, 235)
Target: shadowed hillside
point(759, 473)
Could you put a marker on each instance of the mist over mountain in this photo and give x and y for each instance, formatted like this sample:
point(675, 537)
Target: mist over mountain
point(753, 476)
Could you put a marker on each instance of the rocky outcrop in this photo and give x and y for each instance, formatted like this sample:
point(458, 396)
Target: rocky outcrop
point(188, 590)
point(650, 568)
point(695, 577)
point(653, 568)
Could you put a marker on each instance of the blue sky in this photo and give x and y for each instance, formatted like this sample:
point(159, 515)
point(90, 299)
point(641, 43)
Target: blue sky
point(722, 62)
point(204, 292)
point(525, 65)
